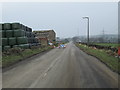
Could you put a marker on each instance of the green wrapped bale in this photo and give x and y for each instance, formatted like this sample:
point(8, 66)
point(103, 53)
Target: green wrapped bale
point(2, 33)
point(24, 46)
point(9, 33)
point(28, 34)
point(0, 48)
point(32, 40)
point(22, 40)
point(25, 33)
point(14, 46)
point(5, 48)
point(17, 26)
point(4, 41)
point(29, 40)
point(12, 41)
point(7, 26)
point(24, 27)
point(19, 33)
point(0, 41)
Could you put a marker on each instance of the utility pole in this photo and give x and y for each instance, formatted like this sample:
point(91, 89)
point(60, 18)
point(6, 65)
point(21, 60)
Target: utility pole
point(87, 29)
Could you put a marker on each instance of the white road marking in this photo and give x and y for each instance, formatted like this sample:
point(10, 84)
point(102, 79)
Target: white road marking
point(44, 73)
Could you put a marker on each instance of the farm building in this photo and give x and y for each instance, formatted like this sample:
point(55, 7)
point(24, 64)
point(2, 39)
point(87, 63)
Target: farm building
point(46, 37)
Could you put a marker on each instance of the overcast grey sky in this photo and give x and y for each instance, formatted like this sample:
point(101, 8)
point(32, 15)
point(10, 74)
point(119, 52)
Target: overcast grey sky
point(64, 17)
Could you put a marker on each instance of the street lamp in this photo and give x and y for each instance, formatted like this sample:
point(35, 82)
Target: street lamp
point(87, 30)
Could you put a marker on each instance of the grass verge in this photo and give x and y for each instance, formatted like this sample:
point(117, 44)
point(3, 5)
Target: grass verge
point(113, 45)
point(111, 61)
point(8, 60)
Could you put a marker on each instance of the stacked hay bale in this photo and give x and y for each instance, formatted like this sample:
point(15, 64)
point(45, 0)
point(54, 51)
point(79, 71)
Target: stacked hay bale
point(5, 28)
point(19, 31)
point(16, 35)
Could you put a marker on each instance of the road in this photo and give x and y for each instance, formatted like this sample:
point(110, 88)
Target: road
point(60, 68)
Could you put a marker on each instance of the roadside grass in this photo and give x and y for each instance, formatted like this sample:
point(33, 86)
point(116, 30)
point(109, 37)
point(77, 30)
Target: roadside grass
point(102, 55)
point(7, 60)
point(113, 45)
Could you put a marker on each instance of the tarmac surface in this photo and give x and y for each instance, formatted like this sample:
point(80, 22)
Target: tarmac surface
point(60, 68)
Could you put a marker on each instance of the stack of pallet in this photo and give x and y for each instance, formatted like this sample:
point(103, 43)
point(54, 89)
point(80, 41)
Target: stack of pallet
point(16, 35)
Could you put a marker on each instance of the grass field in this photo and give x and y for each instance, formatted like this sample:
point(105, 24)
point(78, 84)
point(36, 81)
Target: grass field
point(15, 57)
point(102, 55)
point(114, 45)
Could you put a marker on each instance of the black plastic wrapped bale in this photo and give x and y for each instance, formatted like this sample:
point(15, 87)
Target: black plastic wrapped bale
point(12, 41)
point(19, 33)
point(22, 40)
point(5, 48)
point(27, 29)
point(17, 26)
point(9, 33)
point(7, 26)
point(4, 41)
point(30, 29)
point(24, 46)
point(1, 26)
point(32, 34)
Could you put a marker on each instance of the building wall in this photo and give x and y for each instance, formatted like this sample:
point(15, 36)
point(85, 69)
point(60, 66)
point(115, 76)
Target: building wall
point(43, 41)
point(50, 35)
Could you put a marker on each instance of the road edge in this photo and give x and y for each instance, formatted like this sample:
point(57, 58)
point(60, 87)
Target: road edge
point(98, 59)
point(12, 65)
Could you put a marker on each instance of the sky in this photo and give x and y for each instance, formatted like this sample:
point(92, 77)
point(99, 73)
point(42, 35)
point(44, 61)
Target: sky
point(65, 18)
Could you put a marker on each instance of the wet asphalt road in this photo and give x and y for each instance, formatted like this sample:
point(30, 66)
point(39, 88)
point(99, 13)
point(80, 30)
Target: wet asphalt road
point(60, 68)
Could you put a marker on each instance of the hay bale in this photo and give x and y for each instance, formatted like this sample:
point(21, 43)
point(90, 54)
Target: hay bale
point(9, 33)
point(7, 26)
point(19, 33)
point(28, 34)
point(12, 41)
point(6, 48)
point(2, 33)
point(4, 41)
point(22, 40)
point(17, 26)
point(24, 46)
